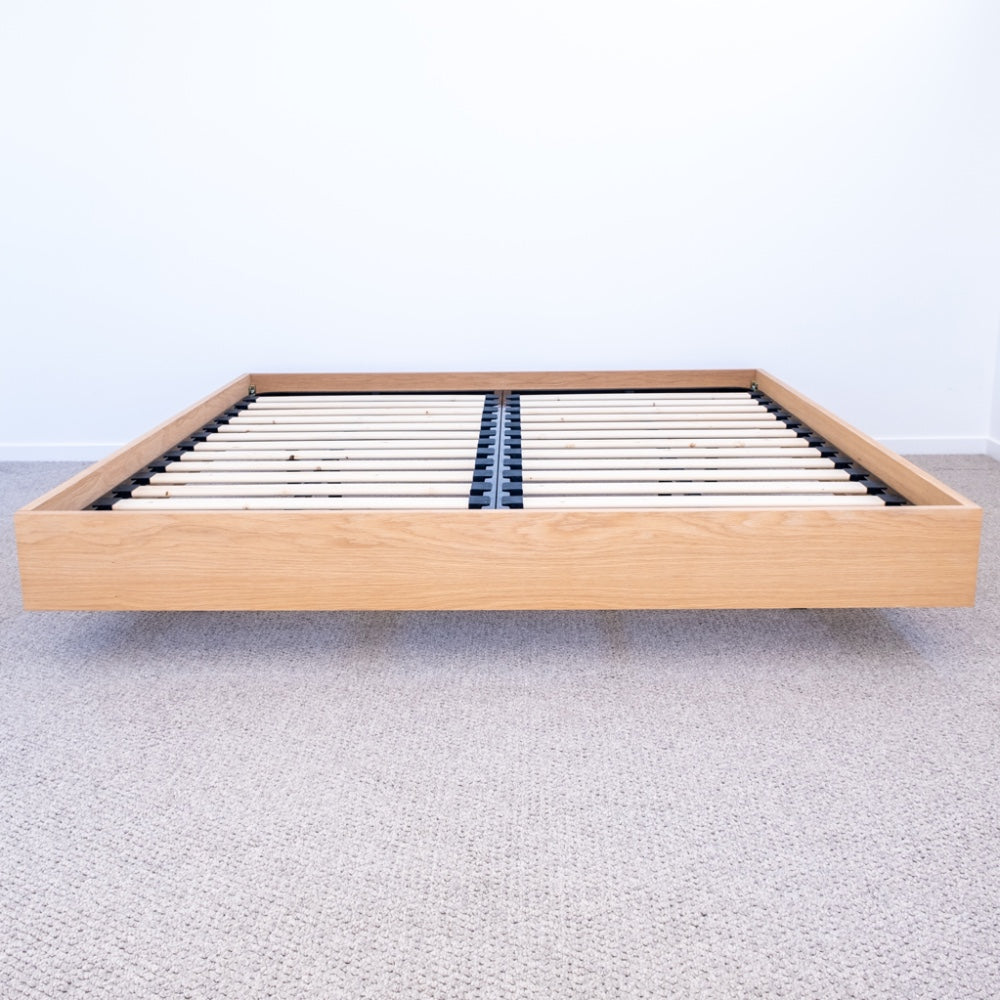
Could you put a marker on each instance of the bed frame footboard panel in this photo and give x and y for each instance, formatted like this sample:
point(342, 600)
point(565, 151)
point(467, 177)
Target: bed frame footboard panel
point(499, 560)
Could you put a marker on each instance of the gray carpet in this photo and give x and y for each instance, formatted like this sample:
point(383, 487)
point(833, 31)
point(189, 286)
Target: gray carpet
point(791, 804)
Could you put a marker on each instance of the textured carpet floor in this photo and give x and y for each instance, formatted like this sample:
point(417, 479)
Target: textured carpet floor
point(789, 804)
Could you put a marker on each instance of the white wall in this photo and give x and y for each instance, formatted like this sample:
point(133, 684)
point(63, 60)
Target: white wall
point(194, 189)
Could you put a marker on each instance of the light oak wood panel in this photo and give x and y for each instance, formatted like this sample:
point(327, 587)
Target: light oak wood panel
point(536, 559)
point(415, 382)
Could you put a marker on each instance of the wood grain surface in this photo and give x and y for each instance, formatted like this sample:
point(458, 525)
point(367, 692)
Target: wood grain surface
point(499, 559)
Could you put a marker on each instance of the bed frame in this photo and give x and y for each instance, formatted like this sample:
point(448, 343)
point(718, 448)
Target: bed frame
point(916, 545)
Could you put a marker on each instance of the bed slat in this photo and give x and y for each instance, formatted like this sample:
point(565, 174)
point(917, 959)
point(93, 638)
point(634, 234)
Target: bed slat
point(294, 503)
point(597, 502)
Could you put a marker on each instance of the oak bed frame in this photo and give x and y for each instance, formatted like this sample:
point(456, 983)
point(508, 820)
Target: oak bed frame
point(676, 537)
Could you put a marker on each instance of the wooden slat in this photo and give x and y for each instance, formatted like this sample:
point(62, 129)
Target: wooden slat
point(365, 449)
point(750, 412)
point(367, 404)
point(639, 401)
point(741, 487)
point(346, 414)
point(656, 475)
point(228, 430)
point(294, 503)
point(660, 408)
point(623, 438)
point(616, 464)
point(309, 439)
point(653, 444)
point(533, 428)
point(644, 416)
point(354, 423)
point(529, 399)
point(356, 415)
point(419, 475)
point(437, 460)
point(331, 445)
point(363, 489)
point(387, 398)
point(533, 488)
point(371, 402)
point(316, 449)
point(556, 459)
point(679, 449)
point(634, 501)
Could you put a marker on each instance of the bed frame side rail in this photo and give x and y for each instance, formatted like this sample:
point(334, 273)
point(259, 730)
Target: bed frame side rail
point(93, 482)
point(909, 481)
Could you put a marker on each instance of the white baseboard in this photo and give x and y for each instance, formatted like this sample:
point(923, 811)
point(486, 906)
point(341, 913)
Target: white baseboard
point(993, 448)
point(61, 452)
point(936, 445)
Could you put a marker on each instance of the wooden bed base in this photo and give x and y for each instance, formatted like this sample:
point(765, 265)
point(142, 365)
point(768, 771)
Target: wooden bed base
point(920, 553)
